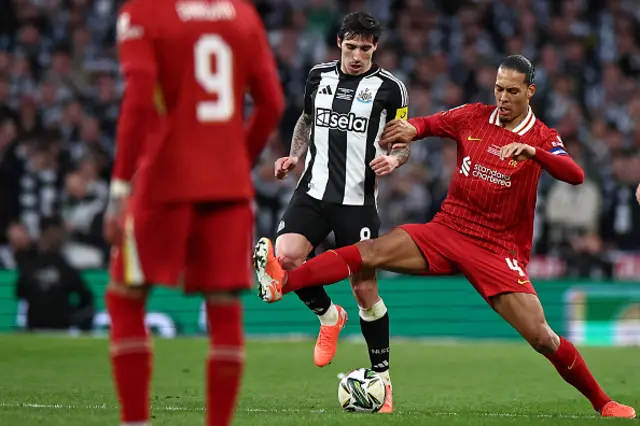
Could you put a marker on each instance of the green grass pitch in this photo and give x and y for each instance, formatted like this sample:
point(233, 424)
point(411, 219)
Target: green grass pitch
point(56, 381)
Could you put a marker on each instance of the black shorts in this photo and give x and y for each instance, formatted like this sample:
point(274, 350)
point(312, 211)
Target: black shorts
point(315, 219)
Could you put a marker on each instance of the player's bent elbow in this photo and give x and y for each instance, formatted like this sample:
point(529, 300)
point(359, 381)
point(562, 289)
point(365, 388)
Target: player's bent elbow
point(576, 179)
point(573, 173)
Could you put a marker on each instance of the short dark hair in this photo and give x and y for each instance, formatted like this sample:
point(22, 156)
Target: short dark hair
point(522, 65)
point(359, 24)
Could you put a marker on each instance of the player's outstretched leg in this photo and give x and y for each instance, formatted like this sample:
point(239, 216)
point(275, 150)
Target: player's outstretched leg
point(130, 351)
point(374, 323)
point(395, 251)
point(524, 312)
point(225, 362)
point(292, 250)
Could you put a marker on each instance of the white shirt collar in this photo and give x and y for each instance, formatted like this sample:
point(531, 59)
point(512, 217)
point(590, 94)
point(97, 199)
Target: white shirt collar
point(522, 128)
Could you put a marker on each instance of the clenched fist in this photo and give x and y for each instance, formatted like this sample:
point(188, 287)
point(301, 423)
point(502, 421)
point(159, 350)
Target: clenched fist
point(399, 133)
point(384, 164)
point(284, 165)
point(518, 151)
point(113, 226)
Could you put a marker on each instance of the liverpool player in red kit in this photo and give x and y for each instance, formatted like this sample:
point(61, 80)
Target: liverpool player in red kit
point(485, 226)
point(184, 152)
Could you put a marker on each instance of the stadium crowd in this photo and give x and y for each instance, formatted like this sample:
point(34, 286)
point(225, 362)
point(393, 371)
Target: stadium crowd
point(60, 91)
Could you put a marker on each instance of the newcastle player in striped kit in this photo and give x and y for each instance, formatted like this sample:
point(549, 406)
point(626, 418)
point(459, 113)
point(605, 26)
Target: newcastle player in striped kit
point(346, 107)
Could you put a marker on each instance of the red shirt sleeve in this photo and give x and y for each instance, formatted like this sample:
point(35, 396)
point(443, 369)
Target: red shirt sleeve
point(445, 124)
point(553, 157)
point(138, 65)
point(266, 92)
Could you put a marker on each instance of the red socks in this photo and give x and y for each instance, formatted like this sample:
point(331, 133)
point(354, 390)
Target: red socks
point(573, 369)
point(225, 362)
point(131, 356)
point(328, 268)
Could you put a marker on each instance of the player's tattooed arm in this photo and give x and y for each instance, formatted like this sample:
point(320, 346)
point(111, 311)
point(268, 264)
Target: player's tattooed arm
point(385, 164)
point(299, 144)
point(402, 154)
point(301, 134)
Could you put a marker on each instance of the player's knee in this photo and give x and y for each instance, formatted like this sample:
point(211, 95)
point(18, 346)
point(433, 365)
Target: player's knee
point(372, 253)
point(291, 256)
point(222, 297)
point(224, 318)
point(544, 340)
point(126, 308)
point(122, 290)
point(292, 250)
point(289, 263)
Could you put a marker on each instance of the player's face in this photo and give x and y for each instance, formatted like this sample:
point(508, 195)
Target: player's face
point(356, 53)
point(512, 94)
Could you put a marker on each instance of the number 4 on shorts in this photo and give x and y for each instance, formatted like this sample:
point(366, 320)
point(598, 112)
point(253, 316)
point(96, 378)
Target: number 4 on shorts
point(513, 265)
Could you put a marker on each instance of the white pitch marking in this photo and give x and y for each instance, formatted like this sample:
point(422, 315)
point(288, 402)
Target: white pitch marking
point(293, 410)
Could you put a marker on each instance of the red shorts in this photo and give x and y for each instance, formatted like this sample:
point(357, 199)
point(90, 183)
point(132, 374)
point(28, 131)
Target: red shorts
point(448, 253)
point(202, 247)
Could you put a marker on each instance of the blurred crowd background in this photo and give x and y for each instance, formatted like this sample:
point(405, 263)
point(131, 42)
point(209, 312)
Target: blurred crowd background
point(60, 91)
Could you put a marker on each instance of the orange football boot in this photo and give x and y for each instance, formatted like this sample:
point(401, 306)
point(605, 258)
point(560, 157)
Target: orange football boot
point(270, 275)
point(387, 407)
point(615, 409)
point(327, 342)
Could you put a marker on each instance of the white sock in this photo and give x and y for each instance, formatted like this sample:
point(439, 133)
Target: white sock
point(375, 312)
point(330, 317)
point(385, 377)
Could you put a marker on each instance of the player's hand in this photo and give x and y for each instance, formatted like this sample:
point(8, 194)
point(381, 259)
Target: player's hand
point(284, 165)
point(114, 219)
point(398, 131)
point(638, 194)
point(517, 151)
point(384, 164)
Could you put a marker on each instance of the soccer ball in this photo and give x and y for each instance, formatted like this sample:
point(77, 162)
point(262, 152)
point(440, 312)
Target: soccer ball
point(362, 391)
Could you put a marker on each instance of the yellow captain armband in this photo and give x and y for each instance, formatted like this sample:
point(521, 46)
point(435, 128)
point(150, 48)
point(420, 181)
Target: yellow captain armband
point(402, 113)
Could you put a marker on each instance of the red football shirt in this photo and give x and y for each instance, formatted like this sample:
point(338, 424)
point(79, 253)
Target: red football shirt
point(489, 199)
point(203, 57)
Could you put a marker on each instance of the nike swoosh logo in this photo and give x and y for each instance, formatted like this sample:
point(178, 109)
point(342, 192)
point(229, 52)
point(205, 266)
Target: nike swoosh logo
point(473, 139)
point(573, 363)
point(523, 281)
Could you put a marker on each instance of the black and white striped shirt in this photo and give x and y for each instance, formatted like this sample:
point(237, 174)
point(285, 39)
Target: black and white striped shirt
point(349, 114)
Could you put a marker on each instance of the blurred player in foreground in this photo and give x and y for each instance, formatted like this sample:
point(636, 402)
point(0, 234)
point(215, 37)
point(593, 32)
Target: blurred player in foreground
point(186, 221)
point(485, 226)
